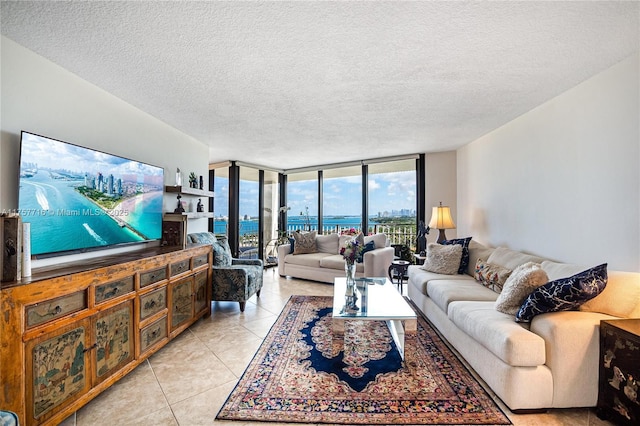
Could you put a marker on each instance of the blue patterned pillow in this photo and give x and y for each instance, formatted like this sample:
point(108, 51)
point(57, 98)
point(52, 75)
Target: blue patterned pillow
point(221, 253)
point(367, 247)
point(464, 242)
point(564, 294)
point(292, 244)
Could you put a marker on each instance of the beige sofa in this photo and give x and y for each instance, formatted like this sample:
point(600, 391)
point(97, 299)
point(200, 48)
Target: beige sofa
point(551, 362)
point(327, 263)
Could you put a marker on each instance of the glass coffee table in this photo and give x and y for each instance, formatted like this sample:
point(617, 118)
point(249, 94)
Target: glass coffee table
point(377, 300)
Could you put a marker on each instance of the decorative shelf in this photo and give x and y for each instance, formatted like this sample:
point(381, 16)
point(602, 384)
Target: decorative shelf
point(191, 215)
point(188, 191)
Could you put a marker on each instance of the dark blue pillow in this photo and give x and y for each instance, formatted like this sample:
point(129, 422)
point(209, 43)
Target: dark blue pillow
point(367, 247)
point(464, 242)
point(292, 242)
point(564, 294)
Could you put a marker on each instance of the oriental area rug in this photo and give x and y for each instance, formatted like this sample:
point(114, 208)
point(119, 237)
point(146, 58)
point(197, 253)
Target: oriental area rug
point(299, 374)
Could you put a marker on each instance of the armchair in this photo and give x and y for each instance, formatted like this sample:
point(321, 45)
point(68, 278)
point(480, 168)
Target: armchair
point(234, 280)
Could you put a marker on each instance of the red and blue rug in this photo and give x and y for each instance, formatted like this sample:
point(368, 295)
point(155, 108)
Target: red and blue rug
point(300, 375)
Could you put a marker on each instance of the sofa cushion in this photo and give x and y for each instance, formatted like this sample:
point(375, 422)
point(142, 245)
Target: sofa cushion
point(464, 260)
point(420, 278)
point(557, 270)
point(380, 240)
point(443, 292)
point(522, 281)
point(511, 259)
point(442, 259)
point(496, 331)
point(477, 251)
point(490, 275)
point(305, 243)
point(336, 261)
point(564, 294)
point(311, 260)
point(620, 298)
point(328, 243)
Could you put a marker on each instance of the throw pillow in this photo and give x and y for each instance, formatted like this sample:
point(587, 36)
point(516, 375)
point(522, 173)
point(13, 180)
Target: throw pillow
point(305, 243)
point(443, 259)
point(521, 282)
point(367, 247)
point(221, 253)
point(464, 260)
point(292, 244)
point(490, 275)
point(564, 294)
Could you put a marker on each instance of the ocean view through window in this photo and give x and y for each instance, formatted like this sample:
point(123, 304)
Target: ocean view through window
point(328, 201)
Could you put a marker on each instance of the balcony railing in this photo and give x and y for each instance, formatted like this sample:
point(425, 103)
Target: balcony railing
point(397, 235)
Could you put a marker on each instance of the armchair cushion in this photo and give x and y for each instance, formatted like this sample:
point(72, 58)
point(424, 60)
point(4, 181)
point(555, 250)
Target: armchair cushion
point(221, 253)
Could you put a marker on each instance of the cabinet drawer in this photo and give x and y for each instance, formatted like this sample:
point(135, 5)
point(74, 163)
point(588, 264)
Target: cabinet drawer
point(113, 289)
point(153, 333)
point(153, 302)
point(49, 310)
point(200, 260)
point(179, 267)
point(148, 278)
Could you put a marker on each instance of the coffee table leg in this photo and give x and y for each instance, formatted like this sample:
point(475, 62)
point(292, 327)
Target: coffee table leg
point(337, 329)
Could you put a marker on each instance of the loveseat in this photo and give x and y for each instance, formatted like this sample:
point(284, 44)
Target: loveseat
point(551, 361)
point(324, 262)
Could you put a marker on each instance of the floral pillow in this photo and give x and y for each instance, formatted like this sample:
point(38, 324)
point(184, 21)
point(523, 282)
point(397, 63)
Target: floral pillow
point(564, 294)
point(305, 243)
point(490, 275)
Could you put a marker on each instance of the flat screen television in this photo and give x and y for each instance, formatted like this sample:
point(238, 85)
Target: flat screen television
point(78, 199)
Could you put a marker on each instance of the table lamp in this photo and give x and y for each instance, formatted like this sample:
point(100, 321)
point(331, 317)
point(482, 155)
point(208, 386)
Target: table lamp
point(441, 219)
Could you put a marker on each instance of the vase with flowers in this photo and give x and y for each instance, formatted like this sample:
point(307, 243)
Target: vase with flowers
point(350, 252)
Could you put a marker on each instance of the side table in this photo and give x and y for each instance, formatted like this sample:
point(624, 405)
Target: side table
point(419, 259)
point(398, 271)
point(619, 371)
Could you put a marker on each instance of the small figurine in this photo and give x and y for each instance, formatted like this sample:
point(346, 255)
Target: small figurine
point(201, 182)
point(200, 207)
point(179, 209)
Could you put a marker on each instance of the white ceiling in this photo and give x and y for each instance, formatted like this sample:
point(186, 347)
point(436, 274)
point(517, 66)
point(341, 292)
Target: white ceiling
point(294, 84)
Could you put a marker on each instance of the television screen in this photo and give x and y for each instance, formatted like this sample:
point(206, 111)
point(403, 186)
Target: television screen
point(78, 199)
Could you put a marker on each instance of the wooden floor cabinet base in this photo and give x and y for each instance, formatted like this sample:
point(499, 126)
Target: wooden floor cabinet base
point(71, 331)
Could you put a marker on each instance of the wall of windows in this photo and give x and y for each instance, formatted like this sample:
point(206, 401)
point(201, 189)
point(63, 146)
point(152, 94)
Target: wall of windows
point(302, 201)
point(378, 196)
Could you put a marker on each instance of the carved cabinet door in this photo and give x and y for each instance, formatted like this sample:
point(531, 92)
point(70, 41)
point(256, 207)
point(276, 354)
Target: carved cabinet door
point(57, 369)
point(114, 340)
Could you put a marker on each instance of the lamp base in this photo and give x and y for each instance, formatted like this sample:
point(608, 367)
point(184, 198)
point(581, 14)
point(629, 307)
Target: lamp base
point(441, 237)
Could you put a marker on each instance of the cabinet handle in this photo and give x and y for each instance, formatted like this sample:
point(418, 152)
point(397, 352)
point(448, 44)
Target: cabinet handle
point(95, 345)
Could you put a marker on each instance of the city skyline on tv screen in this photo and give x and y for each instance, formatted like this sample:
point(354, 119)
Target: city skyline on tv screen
point(77, 198)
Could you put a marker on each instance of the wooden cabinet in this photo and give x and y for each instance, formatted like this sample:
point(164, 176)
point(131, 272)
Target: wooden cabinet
point(71, 331)
point(619, 379)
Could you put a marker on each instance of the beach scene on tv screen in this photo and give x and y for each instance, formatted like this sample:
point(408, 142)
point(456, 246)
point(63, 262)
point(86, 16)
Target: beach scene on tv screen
point(77, 198)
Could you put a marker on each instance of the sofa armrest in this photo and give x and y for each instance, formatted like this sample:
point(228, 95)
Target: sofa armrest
point(572, 347)
point(376, 262)
point(283, 251)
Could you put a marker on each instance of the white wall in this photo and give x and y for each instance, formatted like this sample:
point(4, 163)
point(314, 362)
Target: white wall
point(563, 180)
point(41, 97)
point(440, 186)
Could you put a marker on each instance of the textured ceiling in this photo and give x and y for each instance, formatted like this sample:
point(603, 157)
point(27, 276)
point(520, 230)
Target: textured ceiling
point(293, 84)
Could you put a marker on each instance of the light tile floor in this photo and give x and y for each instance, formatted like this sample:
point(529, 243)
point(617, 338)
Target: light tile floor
point(187, 381)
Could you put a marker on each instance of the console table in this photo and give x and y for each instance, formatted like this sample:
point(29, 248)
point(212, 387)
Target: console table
point(71, 331)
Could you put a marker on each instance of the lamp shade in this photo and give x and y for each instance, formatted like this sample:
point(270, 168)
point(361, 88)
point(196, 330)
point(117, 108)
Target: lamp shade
point(441, 218)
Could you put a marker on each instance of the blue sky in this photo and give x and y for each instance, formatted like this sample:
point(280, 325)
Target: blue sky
point(387, 192)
